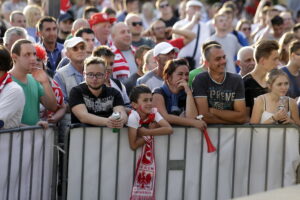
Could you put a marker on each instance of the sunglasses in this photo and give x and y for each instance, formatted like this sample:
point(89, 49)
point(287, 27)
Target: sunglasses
point(137, 23)
point(76, 48)
point(164, 5)
point(246, 29)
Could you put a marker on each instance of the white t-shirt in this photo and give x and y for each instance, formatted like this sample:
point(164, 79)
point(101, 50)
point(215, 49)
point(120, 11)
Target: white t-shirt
point(188, 49)
point(134, 118)
point(12, 101)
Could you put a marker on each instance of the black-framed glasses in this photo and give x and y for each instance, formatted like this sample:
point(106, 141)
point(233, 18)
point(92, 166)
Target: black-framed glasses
point(91, 75)
point(164, 5)
point(137, 23)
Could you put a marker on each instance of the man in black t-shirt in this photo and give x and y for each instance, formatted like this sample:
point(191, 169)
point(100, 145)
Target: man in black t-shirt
point(219, 95)
point(266, 58)
point(92, 102)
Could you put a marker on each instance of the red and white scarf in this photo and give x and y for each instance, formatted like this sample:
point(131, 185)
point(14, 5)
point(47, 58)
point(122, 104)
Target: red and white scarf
point(144, 181)
point(5, 79)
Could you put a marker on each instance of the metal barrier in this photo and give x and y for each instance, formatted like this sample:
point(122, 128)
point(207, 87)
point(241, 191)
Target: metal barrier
point(249, 159)
point(27, 163)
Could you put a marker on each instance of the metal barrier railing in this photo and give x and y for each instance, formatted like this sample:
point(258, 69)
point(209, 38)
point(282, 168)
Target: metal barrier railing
point(28, 163)
point(249, 159)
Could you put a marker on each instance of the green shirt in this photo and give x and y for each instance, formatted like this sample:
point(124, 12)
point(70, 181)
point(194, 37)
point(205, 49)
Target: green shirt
point(33, 91)
point(193, 74)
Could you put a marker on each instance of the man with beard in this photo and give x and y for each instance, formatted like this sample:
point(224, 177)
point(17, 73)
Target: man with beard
point(92, 102)
point(47, 31)
point(34, 81)
point(65, 22)
point(219, 95)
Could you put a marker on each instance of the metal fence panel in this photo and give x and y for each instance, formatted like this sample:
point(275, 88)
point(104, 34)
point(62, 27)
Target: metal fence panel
point(27, 164)
point(248, 160)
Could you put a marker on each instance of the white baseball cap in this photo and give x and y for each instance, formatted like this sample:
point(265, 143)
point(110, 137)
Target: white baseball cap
point(73, 42)
point(163, 48)
point(194, 3)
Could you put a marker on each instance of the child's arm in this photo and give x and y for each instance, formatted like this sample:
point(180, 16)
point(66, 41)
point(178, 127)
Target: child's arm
point(134, 141)
point(164, 129)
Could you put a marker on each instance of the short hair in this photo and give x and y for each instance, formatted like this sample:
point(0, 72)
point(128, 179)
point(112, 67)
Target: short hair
point(240, 53)
point(130, 15)
point(82, 30)
point(12, 15)
point(93, 60)
point(147, 55)
point(264, 49)
point(296, 27)
point(137, 91)
point(273, 75)
point(159, 2)
point(16, 48)
point(5, 59)
point(109, 11)
point(89, 9)
point(103, 51)
point(294, 46)
point(129, 1)
point(172, 65)
point(231, 5)
point(154, 22)
point(19, 31)
point(139, 52)
point(277, 21)
point(226, 11)
point(45, 19)
point(206, 47)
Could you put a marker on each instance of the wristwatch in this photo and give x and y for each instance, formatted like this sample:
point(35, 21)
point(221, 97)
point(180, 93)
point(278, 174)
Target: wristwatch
point(199, 117)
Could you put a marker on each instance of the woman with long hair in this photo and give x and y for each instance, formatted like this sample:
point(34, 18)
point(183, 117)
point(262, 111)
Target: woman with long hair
point(275, 107)
point(174, 100)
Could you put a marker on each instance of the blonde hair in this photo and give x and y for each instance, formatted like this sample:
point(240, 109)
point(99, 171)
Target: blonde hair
point(273, 75)
point(29, 12)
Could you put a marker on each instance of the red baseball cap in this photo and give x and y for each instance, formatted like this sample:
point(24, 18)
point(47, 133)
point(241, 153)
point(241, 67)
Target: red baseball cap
point(100, 18)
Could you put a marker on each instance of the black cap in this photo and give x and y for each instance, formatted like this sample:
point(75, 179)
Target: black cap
point(65, 16)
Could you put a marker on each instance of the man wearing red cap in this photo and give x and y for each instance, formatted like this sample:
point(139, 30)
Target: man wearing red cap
point(101, 25)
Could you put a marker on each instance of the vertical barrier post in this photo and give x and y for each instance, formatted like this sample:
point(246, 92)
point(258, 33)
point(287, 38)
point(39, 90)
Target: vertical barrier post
point(234, 159)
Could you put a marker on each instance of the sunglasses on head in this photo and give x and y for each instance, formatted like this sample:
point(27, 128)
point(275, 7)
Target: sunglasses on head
point(137, 23)
point(164, 5)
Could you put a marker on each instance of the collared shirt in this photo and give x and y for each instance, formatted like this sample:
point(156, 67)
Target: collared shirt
point(54, 57)
point(63, 77)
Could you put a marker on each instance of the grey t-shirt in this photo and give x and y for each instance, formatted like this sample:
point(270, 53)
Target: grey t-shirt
point(130, 60)
point(151, 80)
point(219, 95)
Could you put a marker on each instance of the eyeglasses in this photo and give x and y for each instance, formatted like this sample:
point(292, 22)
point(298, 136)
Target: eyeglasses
point(137, 23)
point(97, 75)
point(164, 5)
point(246, 29)
point(76, 48)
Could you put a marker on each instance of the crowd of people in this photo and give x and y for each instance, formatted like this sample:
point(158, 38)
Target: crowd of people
point(218, 63)
point(152, 63)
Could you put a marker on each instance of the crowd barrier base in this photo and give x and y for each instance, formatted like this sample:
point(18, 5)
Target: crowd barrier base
point(249, 159)
point(27, 164)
